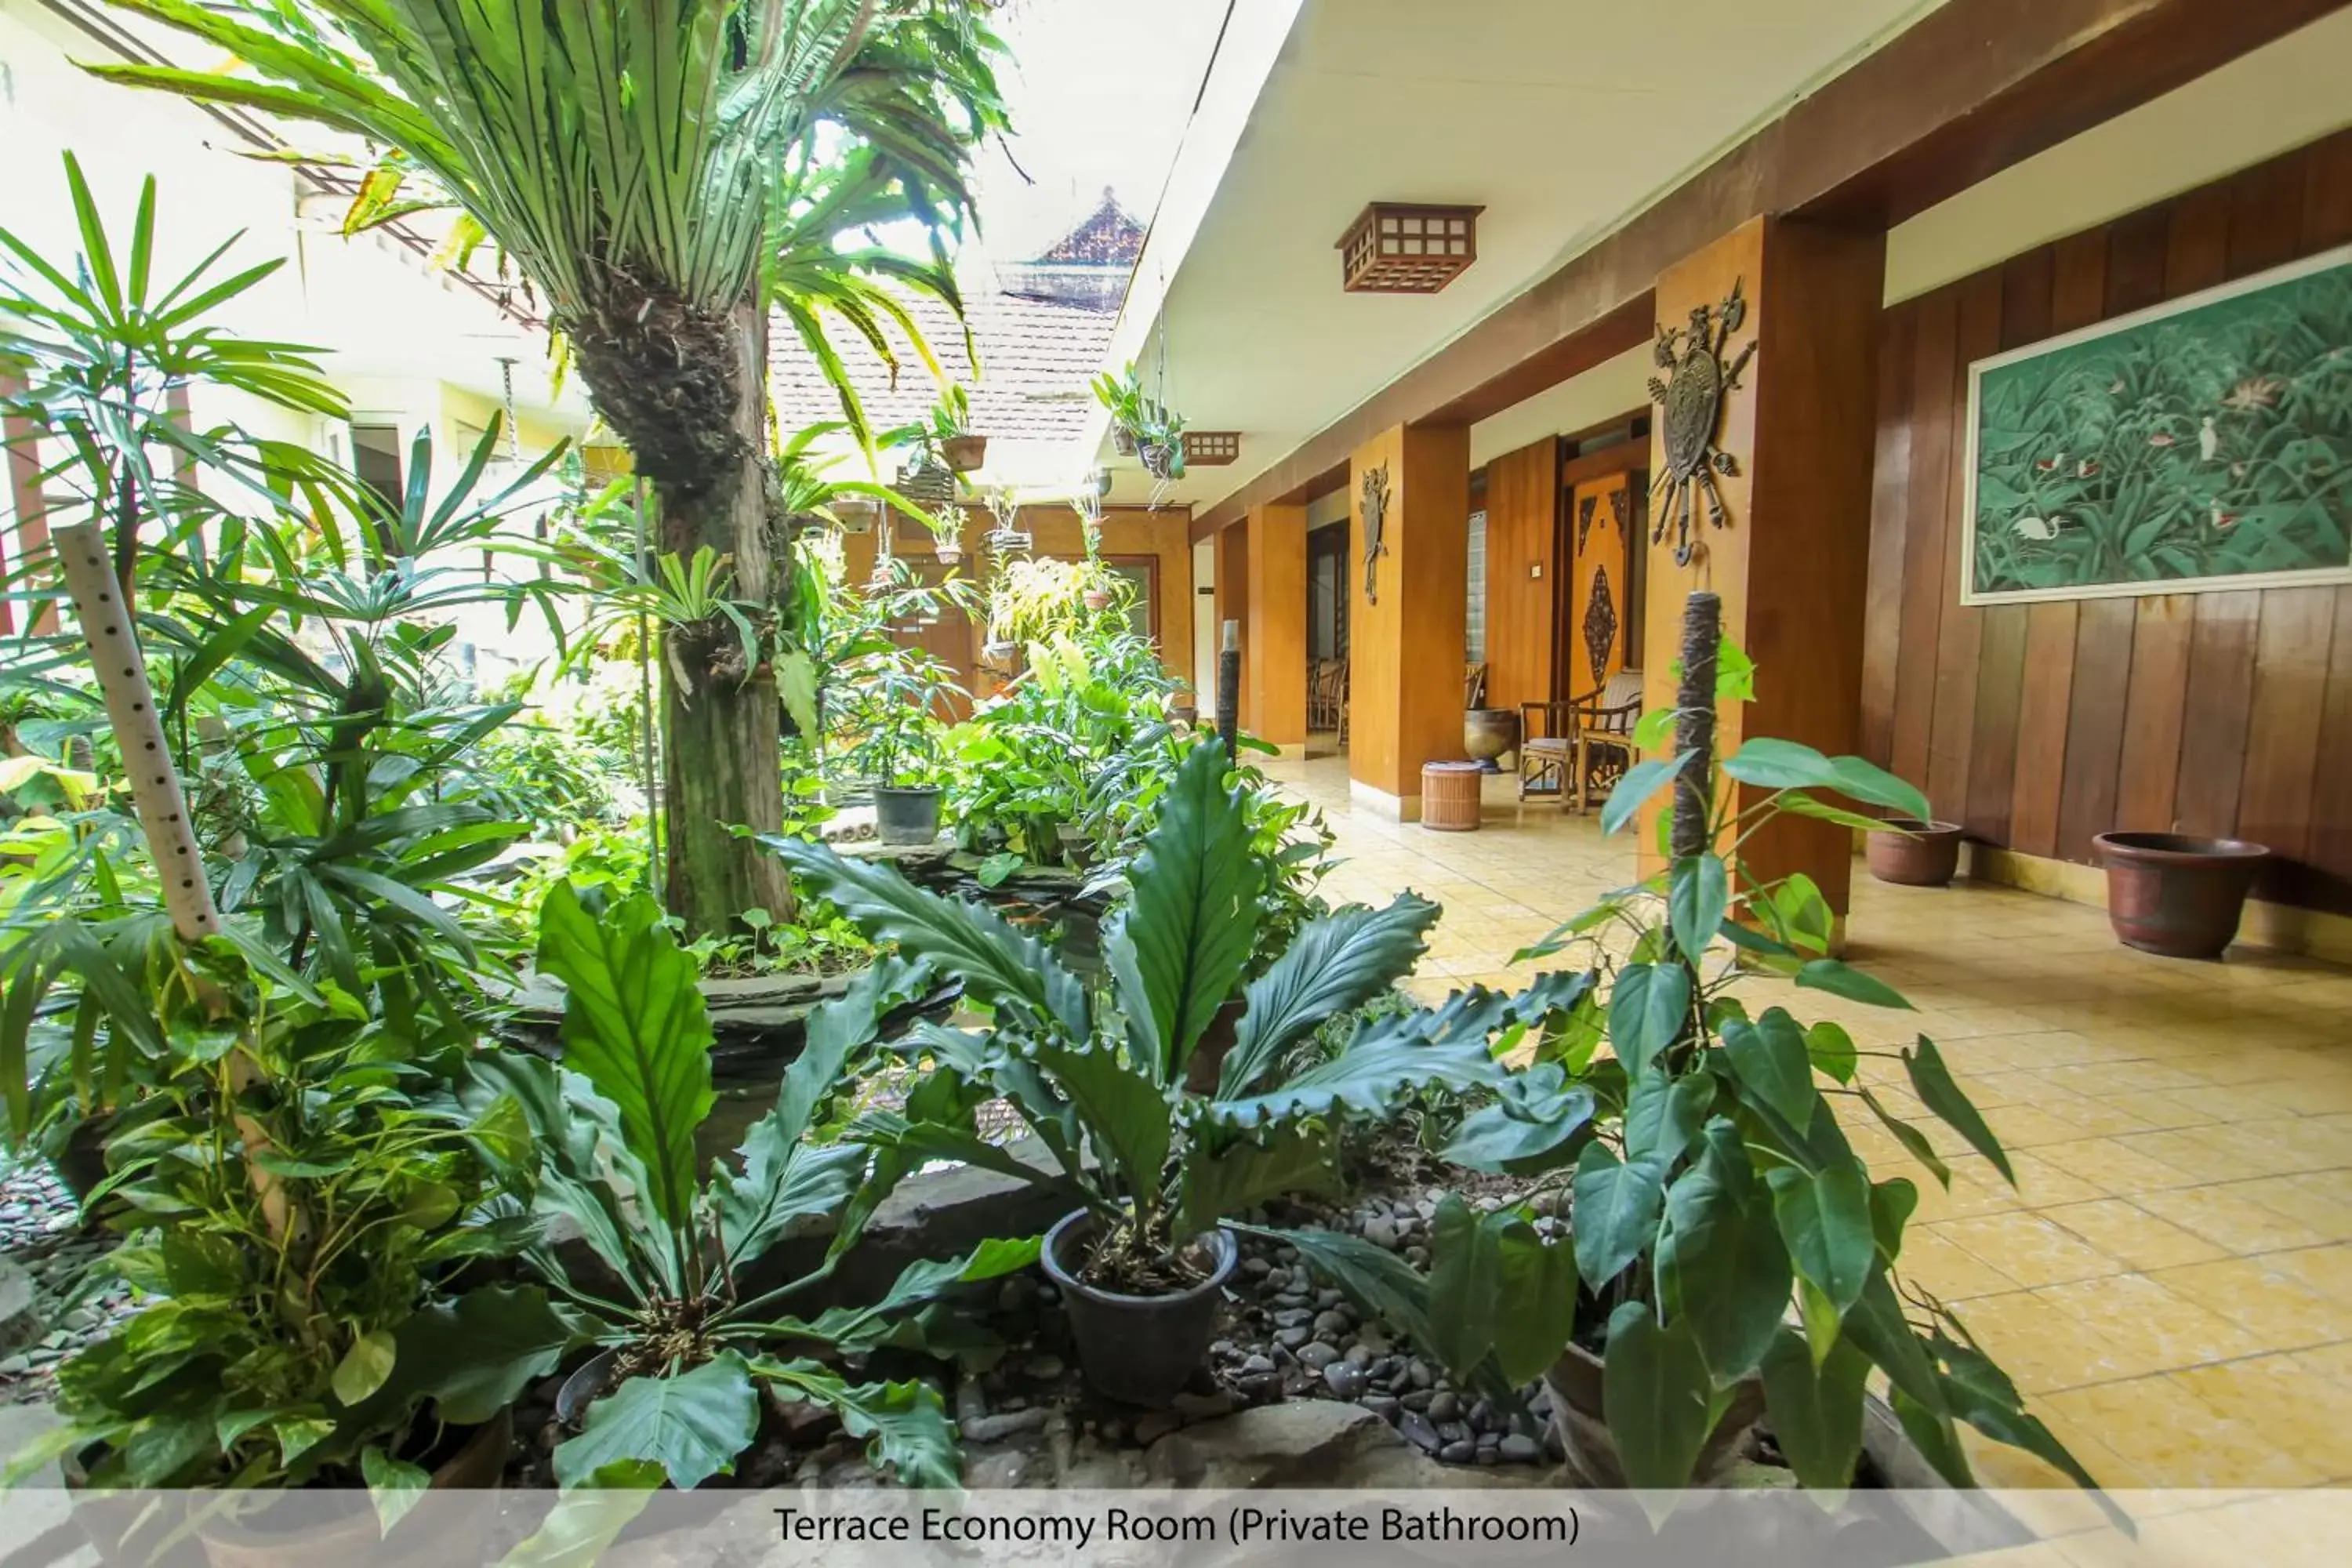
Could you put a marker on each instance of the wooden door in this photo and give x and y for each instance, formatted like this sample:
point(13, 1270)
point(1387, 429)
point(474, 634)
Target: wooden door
point(1603, 515)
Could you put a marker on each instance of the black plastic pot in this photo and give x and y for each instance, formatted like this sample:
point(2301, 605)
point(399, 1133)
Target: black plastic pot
point(907, 815)
point(583, 1388)
point(1138, 1350)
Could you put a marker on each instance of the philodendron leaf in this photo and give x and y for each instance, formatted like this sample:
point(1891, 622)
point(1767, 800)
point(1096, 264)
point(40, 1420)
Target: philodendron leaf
point(1642, 781)
point(1662, 1115)
point(1839, 980)
point(1770, 1058)
point(1824, 1218)
point(1931, 1080)
point(472, 1357)
point(365, 1366)
point(1463, 1281)
point(1771, 764)
point(635, 1029)
point(1535, 1298)
point(693, 1424)
point(1617, 1205)
point(1656, 1397)
point(1723, 1270)
point(904, 1424)
point(1832, 1050)
point(1698, 891)
point(1891, 1203)
point(1816, 1411)
point(1336, 963)
point(395, 1486)
point(1537, 1120)
point(1647, 1008)
point(1910, 1137)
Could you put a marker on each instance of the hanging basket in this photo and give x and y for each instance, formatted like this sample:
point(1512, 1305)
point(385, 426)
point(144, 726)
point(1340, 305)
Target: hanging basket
point(1010, 540)
point(963, 454)
point(1159, 459)
point(931, 485)
point(1122, 441)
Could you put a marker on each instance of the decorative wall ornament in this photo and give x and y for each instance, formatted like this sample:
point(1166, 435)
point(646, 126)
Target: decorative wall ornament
point(1691, 404)
point(1618, 500)
point(1586, 507)
point(2202, 444)
point(1600, 627)
point(1376, 514)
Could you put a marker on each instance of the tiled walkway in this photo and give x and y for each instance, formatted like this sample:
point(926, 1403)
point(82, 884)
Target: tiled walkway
point(2171, 1281)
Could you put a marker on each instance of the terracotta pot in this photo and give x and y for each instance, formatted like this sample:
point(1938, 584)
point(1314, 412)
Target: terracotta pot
point(1915, 854)
point(1095, 598)
point(1576, 1414)
point(2177, 895)
point(1488, 733)
point(302, 1529)
point(1139, 1349)
point(964, 453)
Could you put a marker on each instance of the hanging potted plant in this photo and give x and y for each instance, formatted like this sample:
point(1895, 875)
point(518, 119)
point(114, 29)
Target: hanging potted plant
point(1105, 1076)
point(961, 447)
point(1142, 424)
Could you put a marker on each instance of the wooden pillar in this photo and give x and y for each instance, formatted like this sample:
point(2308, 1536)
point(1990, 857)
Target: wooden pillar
point(1523, 571)
point(1791, 560)
point(1273, 642)
point(22, 463)
point(1405, 638)
point(1233, 601)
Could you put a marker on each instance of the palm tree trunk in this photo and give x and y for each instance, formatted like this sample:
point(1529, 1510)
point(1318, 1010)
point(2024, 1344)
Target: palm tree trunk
point(722, 765)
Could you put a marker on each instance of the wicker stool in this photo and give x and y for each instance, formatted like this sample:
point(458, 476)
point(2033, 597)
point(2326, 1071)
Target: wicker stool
point(1450, 795)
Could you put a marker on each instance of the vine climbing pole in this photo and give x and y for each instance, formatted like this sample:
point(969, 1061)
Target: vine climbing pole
point(1694, 723)
point(99, 600)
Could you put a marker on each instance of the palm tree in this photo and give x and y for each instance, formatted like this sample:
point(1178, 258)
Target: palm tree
point(665, 173)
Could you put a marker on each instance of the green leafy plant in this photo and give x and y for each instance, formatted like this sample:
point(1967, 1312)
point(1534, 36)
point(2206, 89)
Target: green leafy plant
point(895, 702)
point(951, 418)
point(692, 1353)
point(1143, 424)
point(1727, 1240)
point(1162, 1142)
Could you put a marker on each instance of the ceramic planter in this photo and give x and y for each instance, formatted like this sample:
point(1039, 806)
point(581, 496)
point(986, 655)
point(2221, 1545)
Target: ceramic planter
point(1158, 458)
point(340, 1527)
point(1095, 598)
point(2175, 894)
point(1488, 733)
point(907, 815)
point(964, 453)
point(1915, 854)
point(1576, 1414)
point(1139, 1349)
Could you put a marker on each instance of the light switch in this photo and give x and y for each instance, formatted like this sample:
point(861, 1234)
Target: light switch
point(1535, 569)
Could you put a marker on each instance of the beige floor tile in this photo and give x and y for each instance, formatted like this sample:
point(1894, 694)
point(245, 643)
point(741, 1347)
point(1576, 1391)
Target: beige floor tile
point(2167, 1434)
point(2227, 1219)
point(2029, 1248)
point(1955, 1274)
point(2311, 1419)
point(2131, 1326)
point(2126, 1231)
point(2112, 1166)
point(2273, 1306)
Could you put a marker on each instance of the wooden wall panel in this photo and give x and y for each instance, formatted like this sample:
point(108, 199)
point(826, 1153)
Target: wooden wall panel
point(1273, 643)
point(2043, 727)
point(1522, 509)
point(1230, 582)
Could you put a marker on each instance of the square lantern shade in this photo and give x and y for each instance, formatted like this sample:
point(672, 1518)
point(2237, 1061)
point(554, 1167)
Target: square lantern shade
point(1212, 448)
point(1399, 247)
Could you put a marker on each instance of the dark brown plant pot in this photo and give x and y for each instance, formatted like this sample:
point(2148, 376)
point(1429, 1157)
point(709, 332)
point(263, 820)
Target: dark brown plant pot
point(1488, 733)
point(302, 1529)
point(962, 454)
point(80, 1165)
point(1138, 1350)
point(1915, 854)
point(2176, 894)
point(1186, 713)
point(1577, 1414)
point(123, 1527)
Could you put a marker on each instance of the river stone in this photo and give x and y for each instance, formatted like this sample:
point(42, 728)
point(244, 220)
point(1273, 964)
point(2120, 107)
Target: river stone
point(1345, 1382)
point(995, 1428)
point(1303, 1443)
point(1317, 1355)
point(1417, 1431)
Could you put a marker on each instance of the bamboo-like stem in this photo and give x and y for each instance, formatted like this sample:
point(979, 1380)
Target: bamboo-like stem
point(101, 603)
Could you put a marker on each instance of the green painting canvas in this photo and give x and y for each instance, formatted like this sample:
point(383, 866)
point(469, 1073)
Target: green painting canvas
point(2206, 444)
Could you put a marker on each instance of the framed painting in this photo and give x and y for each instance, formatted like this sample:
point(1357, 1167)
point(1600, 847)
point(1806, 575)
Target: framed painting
point(2203, 443)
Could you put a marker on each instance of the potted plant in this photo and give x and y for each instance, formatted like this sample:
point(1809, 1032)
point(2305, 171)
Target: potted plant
point(1731, 1257)
point(2177, 894)
point(1102, 1075)
point(1914, 851)
point(689, 1355)
point(962, 448)
point(1142, 424)
point(896, 700)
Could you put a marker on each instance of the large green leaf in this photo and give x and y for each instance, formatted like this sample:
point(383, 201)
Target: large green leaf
point(635, 1029)
point(1377, 1281)
point(1656, 1397)
point(1816, 1412)
point(998, 965)
point(584, 1168)
point(693, 1424)
point(1465, 1275)
point(1618, 1207)
point(1771, 764)
point(474, 1356)
point(1662, 1115)
point(1386, 1059)
point(1698, 891)
point(1296, 1159)
point(1178, 947)
point(1336, 963)
point(1824, 1218)
point(904, 1424)
point(918, 1284)
point(1723, 1270)
point(1125, 1115)
point(1878, 1328)
point(1648, 1007)
point(1841, 980)
point(1642, 781)
point(1535, 1298)
point(1538, 1122)
point(1770, 1058)
point(1931, 1080)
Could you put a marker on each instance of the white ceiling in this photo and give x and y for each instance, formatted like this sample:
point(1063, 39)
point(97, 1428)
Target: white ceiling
point(1562, 117)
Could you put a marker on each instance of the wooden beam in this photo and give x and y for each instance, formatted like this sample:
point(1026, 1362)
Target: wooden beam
point(1603, 461)
point(1972, 88)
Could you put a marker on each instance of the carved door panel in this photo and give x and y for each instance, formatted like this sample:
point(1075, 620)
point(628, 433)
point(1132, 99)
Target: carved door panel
point(1600, 525)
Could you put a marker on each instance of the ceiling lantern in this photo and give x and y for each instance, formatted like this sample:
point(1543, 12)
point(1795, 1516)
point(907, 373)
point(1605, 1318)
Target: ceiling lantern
point(1408, 248)
point(1212, 448)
